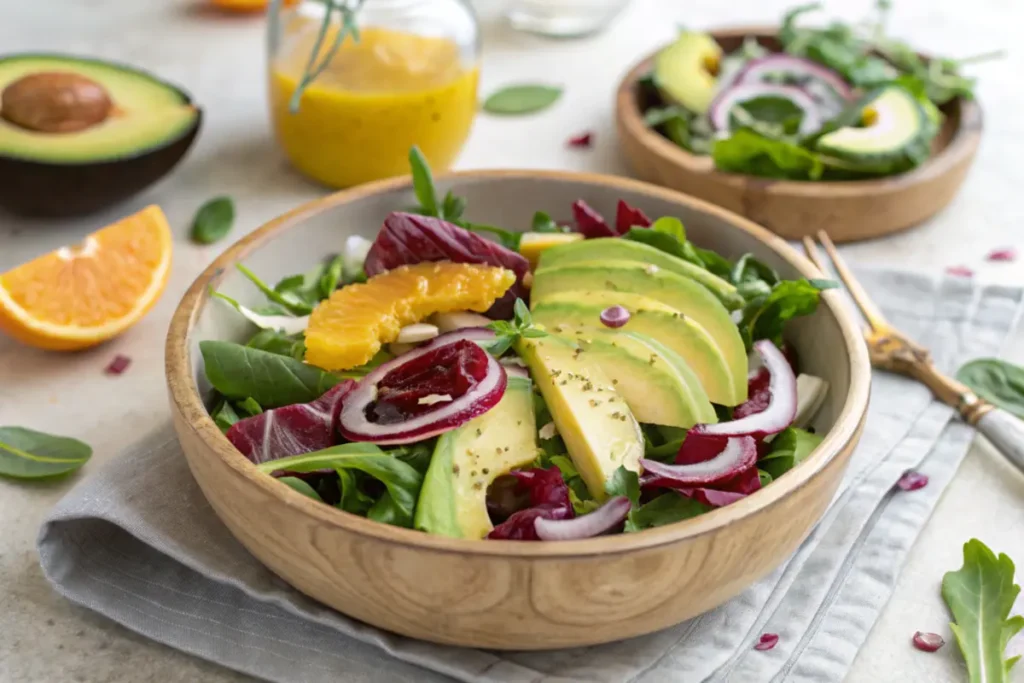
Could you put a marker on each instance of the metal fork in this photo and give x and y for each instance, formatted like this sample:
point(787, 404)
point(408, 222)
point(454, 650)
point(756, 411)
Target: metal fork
point(890, 349)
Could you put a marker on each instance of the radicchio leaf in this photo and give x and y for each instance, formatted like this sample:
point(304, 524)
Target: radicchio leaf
point(627, 217)
point(408, 238)
point(549, 498)
point(290, 430)
point(589, 222)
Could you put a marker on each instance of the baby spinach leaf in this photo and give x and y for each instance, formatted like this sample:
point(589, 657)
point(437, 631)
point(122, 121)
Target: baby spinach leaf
point(353, 498)
point(667, 508)
point(213, 221)
point(423, 182)
point(626, 483)
point(746, 151)
point(659, 240)
point(669, 225)
point(402, 480)
point(788, 450)
point(764, 477)
point(274, 341)
point(249, 407)
point(302, 487)
point(996, 381)
point(224, 415)
point(980, 596)
point(272, 380)
point(521, 99)
point(664, 452)
point(417, 455)
point(28, 454)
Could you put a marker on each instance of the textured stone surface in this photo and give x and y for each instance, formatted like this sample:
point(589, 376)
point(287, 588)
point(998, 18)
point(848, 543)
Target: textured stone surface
point(220, 60)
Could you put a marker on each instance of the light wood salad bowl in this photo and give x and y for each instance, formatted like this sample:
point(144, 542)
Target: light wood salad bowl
point(849, 210)
point(509, 594)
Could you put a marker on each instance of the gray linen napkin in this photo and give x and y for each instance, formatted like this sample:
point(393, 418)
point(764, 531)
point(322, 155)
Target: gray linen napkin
point(138, 543)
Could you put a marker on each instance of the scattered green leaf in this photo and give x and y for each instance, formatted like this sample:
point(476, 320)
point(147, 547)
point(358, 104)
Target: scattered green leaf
point(224, 415)
point(765, 316)
point(788, 450)
point(28, 454)
point(997, 381)
point(423, 182)
point(213, 221)
point(521, 99)
point(626, 483)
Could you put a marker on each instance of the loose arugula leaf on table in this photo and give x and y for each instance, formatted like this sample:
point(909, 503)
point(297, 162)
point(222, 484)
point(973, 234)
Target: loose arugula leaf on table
point(213, 221)
point(788, 450)
point(980, 596)
point(401, 479)
point(667, 508)
point(272, 380)
point(521, 99)
point(997, 381)
point(28, 454)
point(765, 316)
point(508, 333)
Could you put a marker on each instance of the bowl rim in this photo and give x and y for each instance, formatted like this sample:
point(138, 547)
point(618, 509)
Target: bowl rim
point(184, 392)
point(962, 144)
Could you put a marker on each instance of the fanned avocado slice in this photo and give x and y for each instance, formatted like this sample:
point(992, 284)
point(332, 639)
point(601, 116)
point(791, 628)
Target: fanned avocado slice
point(686, 71)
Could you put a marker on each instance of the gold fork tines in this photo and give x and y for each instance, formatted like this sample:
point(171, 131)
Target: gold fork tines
point(892, 350)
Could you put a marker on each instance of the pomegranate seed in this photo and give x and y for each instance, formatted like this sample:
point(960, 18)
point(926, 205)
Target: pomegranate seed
point(929, 642)
point(615, 316)
point(912, 481)
point(585, 139)
point(1006, 254)
point(118, 365)
point(960, 271)
point(767, 642)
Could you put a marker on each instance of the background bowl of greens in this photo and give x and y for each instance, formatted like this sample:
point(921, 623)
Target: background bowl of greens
point(496, 593)
point(751, 122)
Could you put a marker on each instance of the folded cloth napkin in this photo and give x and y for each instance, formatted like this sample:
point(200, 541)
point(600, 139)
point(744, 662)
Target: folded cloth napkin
point(139, 543)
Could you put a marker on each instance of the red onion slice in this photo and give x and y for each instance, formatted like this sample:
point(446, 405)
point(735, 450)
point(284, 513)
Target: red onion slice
point(781, 410)
point(738, 455)
point(354, 425)
point(615, 316)
point(601, 520)
point(928, 642)
point(732, 96)
point(756, 70)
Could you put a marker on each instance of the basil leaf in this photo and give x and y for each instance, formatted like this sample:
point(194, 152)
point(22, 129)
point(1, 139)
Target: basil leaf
point(401, 479)
point(272, 380)
point(302, 487)
point(626, 483)
point(996, 381)
point(521, 99)
point(667, 508)
point(980, 596)
point(28, 454)
point(213, 221)
point(423, 182)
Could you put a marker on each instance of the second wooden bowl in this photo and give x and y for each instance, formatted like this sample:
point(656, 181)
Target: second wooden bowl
point(848, 210)
point(509, 594)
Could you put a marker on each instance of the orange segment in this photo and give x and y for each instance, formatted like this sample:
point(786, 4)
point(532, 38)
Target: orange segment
point(79, 296)
point(348, 329)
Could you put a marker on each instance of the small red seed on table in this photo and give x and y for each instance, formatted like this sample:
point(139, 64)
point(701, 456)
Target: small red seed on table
point(928, 642)
point(118, 365)
point(767, 641)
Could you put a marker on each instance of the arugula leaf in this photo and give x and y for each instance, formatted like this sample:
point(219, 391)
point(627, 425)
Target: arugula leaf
point(423, 182)
point(332, 276)
point(402, 480)
point(749, 269)
point(626, 483)
point(789, 449)
point(291, 301)
point(284, 323)
point(28, 454)
point(714, 262)
point(542, 222)
point(453, 207)
point(747, 151)
point(302, 487)
point(272, 380)
point(667, 508)
point(765, 316)
point(980, 596)
point(213, 221)
point(997, 381)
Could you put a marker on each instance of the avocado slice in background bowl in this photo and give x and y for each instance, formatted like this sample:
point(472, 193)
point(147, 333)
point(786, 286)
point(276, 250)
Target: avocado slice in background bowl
point(78, 135)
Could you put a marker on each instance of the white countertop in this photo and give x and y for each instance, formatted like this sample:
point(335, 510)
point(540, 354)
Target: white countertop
point(220, 60)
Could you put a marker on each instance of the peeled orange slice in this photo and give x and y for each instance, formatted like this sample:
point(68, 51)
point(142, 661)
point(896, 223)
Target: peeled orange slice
point(79, 296)
point(349, 328)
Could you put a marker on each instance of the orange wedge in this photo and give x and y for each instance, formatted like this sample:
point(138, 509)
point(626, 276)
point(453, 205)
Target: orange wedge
point(80, 296)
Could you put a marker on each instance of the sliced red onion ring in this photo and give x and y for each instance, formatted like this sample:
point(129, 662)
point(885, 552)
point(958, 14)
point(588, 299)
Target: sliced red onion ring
point(781, 410)
point(737, 94)
point(739, 454)
point(354, 425)
point(756, 70)
point(615, 316)
point(601, 520)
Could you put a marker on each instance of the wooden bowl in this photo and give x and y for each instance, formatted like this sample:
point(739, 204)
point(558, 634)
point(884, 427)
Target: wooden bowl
point(508, 594)
point(849, 210)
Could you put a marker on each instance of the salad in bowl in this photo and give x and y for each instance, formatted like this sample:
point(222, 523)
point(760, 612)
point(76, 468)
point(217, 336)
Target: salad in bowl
point(602, 375)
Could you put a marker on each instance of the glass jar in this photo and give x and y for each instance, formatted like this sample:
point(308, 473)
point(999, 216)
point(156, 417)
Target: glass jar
point(411, 79)
point(563, 18)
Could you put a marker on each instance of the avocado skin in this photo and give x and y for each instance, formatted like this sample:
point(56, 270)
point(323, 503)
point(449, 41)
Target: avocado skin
point(45, 190)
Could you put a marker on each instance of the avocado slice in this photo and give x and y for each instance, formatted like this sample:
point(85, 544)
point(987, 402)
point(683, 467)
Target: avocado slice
point(894, 136)
point(657, 384)
point(675, 291)
point(686, 71)
point(571, 312)
point(453, 499)
point(77, 135)
point(628, 250)
point(534, 244)
point(597, 426)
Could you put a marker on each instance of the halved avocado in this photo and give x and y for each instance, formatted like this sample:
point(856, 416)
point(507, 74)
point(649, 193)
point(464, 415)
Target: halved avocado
point(77, 135)
point(894, 135)
point(686, 71)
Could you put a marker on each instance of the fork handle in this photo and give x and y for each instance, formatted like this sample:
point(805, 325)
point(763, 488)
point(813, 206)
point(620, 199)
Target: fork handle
point(1006, 432)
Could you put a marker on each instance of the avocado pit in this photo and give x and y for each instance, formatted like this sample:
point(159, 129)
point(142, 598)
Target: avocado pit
point(55, 102)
